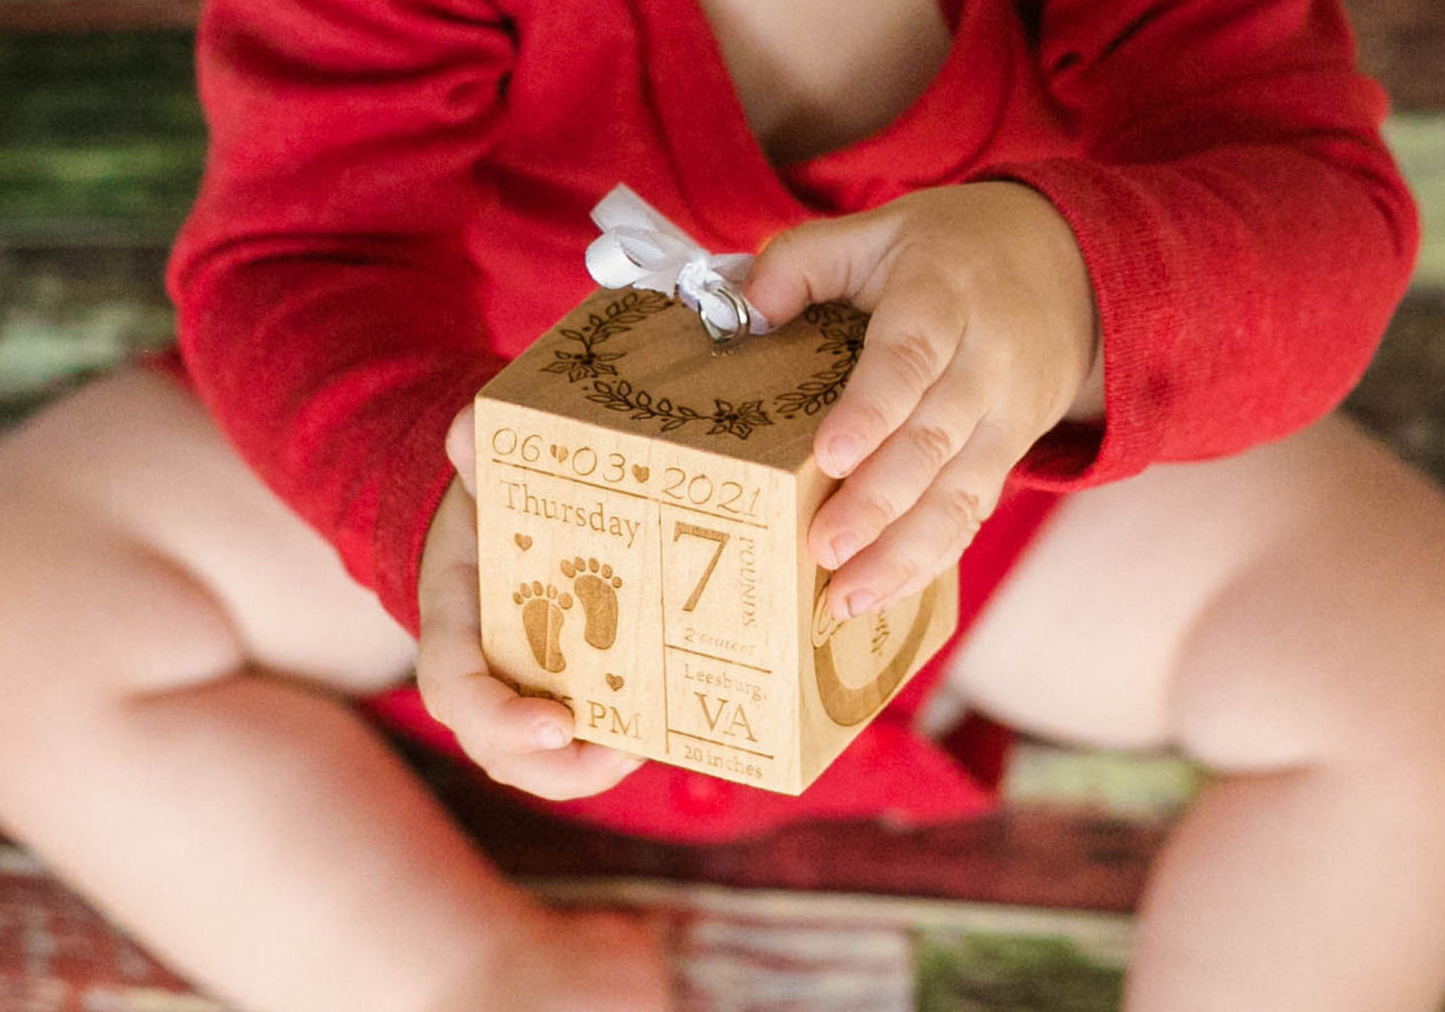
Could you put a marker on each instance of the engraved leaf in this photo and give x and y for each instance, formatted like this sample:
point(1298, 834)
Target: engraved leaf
point(610, 403)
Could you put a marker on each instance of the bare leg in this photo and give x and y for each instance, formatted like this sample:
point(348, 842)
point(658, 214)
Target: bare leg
point(254, 831)
point(1278, 616)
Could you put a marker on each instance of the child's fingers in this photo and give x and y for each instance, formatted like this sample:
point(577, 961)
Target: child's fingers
point(486, 716)
point(447, 592)
point(915, 332)
point(500, 735)
point(579, 770)
point(461, 446)
point(523, 741)
point(817, 262)
point(891, 480)
point(492, 722)
point(930, 536)
point(918, 320)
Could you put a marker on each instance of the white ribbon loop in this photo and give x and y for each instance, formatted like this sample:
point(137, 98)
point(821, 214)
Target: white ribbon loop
point(640, 248)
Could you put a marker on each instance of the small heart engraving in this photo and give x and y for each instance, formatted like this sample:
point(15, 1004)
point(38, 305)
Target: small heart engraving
point(524, 541)
point(641, 473)
point(559, 453)
point(614, 682)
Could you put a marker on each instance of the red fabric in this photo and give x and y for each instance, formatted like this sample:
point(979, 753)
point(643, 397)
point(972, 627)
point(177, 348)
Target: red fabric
point(397, 194)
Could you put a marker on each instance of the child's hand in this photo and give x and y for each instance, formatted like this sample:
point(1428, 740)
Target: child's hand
point(521, 741)
point(983, 337)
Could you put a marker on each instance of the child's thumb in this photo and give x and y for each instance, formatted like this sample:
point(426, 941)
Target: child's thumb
point(819, 261)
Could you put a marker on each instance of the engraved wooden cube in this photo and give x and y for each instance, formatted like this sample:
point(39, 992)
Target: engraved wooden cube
point(642, 502)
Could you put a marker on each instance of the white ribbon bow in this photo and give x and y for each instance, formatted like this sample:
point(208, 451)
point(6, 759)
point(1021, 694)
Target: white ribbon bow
point(640, 248)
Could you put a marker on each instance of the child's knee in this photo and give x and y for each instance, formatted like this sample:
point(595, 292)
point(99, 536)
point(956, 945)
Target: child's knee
point(1289, 668)
point(87, 616)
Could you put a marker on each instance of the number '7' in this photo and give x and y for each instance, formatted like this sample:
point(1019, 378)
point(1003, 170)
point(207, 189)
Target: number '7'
point(680, 528)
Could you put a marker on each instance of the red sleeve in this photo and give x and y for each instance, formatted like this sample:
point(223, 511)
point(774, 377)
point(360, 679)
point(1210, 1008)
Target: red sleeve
point(326, 303)
point(1247, 233)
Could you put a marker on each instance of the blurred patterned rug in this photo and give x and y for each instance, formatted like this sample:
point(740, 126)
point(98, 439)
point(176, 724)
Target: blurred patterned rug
point(1026, 911)
point(733, 951)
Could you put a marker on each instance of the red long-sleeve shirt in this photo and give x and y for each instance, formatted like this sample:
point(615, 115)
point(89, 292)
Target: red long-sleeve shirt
point(397, 198)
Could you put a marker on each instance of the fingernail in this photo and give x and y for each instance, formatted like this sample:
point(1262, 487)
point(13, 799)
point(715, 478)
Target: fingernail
point(860, 601)
point(549, 736)
point(854, 604)
point(843, 547)
point(843, 452)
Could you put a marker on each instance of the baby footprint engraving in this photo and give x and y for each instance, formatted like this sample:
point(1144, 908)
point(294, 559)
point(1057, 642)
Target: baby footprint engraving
point(543, 612)
point(596, 588)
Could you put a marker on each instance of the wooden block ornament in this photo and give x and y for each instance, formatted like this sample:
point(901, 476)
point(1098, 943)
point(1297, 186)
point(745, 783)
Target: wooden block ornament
point(643, 500)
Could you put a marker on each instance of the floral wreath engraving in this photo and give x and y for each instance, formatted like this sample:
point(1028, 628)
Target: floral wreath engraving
point(735, 419)
point(620, 316)
point(842, 328)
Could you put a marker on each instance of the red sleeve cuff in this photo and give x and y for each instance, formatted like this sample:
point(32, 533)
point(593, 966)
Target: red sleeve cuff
point(1132, 290)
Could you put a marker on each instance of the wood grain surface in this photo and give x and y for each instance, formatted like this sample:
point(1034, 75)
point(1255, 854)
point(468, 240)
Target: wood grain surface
point(643, 502)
